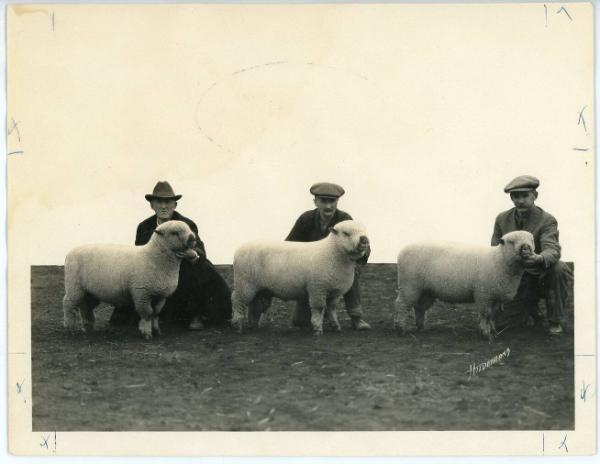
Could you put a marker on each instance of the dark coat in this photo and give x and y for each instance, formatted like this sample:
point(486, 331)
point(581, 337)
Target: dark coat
point(307, 227)
point(541, 224)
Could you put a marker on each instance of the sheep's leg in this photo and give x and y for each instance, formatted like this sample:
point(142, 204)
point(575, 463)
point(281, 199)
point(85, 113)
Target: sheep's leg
point(331, 313)
point(144, 308)
point(71, 312)
point(86, 309)
point(317, 309)
point(157, 306)
point(496, 308)
point(421, 308)
point(485, 321)
point(402, 310)
point(257, 307)
point(239, 306)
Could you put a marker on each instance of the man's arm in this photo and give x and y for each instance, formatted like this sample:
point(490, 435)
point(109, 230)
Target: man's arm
point(550, 247)
point(297, 234)
point(139, 235)
point(496, 234)
point(199, 247)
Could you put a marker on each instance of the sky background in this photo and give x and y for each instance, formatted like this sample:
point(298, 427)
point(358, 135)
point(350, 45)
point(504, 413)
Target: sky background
point(422, 129)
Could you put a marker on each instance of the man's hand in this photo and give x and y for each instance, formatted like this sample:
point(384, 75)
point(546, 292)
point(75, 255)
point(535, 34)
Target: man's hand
point(191, 255)
point(532, 259)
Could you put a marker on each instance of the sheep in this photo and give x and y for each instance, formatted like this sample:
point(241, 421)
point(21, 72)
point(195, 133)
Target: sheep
point(121, 274)
point(317, 272)
point(459, 273)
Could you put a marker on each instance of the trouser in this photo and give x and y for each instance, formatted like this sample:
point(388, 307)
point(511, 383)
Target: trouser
point(201, 294)
point(553, 285)
point(302, 314)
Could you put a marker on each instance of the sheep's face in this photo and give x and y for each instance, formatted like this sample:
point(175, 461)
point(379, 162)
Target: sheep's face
point(177, 236)
point(352, 238)
point(518, 244)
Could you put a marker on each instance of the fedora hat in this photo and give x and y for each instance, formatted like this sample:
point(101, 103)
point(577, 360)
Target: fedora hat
point(162, 191)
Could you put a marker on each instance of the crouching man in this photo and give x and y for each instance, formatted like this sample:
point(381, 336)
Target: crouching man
point(202, 296)
point(545, 275)
point(314, 225)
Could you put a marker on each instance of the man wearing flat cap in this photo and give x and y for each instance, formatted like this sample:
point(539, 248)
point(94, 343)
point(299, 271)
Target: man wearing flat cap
point(202, 295)
point(545, 275)
point(314, 225)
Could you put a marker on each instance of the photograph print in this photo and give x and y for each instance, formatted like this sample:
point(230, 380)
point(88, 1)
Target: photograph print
point(301, 218)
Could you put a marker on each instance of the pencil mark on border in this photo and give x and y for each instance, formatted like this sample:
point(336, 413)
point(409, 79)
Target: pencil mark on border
point(14, 128)
point(581, 120)
point(584, 390)
point(580, 149)
point(564, 443)
point(546, 14)
point(562, 8)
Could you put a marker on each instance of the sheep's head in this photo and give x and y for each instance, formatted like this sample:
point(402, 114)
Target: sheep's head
point(177, 237)
point(352, 238)
point(518, 244)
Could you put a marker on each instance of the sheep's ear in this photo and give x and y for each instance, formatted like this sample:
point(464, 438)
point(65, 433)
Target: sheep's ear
point(501, 241)
point(158, 232)
point(333, 231)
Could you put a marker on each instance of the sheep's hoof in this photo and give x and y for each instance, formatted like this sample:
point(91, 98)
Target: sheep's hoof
point(147, 336)
point(88, 329)
point(71, 325)
point(237, 326)
point(318, 332)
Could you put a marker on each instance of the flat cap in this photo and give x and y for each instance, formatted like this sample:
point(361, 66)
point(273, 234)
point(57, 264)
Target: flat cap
point(522, 184)
point(327, 189)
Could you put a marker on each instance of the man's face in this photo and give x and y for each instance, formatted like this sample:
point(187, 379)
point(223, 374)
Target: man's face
point(523, 201)
point(163, 208)
point(326, 206)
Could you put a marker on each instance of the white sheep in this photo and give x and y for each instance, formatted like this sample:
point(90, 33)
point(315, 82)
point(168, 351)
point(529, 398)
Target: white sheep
point(122, 274)
point(317, 272)
point(459, 273)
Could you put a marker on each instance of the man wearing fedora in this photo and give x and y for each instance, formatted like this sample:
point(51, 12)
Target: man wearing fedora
point(202, 295)
point(314, 225)
point(545, 275)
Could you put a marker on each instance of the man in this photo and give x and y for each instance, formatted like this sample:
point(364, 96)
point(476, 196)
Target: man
point(545, 275)
point(314, 225)
point(202, 295)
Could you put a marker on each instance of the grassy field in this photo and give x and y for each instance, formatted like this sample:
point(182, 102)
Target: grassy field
point(279, 378)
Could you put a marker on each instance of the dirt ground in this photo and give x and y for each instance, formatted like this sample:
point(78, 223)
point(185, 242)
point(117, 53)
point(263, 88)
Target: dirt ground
point(279, 378)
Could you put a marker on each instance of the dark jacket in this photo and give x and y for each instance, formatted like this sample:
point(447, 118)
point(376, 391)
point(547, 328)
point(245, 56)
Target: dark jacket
point(541, 224)
point(308, 229)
